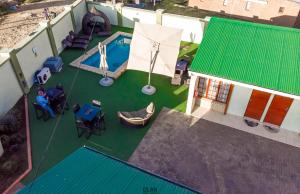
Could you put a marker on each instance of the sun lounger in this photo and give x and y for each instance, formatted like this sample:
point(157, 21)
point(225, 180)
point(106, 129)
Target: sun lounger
point(68, 44)
point(80, 36)
point(76, 40)
point(138, 118)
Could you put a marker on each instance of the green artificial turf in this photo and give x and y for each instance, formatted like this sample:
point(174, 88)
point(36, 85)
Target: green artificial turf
point(125, 94)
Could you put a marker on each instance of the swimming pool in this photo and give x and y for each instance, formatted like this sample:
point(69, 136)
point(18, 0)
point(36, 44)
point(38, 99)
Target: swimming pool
point(117, 53)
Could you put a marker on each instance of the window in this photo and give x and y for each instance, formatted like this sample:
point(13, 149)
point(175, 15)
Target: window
point(213, 87)
point(201, 87)
point(281, 9)
point(223, 92)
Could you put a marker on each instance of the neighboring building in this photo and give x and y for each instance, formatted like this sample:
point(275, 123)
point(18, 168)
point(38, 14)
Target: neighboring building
point(279, 12)
point(249, 70)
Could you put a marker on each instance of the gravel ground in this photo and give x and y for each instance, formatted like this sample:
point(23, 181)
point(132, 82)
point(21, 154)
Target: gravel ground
point(16, 26)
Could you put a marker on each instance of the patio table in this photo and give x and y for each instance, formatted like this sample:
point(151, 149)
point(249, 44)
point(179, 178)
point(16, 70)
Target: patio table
point(88, 112)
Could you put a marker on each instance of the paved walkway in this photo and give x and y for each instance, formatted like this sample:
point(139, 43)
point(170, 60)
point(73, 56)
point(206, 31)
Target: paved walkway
point(283, 135)
point(214, 158)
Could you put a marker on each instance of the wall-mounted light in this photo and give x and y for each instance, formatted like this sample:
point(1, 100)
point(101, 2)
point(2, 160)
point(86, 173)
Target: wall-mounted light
point(34, 51)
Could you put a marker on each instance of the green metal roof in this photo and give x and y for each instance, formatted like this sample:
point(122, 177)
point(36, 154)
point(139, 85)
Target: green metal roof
point(257, 54)
point(88, 171)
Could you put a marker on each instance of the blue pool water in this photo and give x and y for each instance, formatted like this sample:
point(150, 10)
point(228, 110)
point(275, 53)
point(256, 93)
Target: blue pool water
point(116, 54)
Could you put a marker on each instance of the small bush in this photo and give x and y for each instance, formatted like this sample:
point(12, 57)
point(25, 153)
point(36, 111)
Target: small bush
point(16, 139)
point(13, 148)
point(8, 124)
point(5, 140)
point(9, 167)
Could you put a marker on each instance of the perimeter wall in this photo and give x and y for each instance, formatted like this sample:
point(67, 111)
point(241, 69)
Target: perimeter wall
point(19, 64)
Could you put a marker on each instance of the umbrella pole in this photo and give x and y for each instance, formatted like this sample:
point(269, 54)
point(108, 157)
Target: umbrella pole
point(105, 81)
point(148, 89)
point(149, 75)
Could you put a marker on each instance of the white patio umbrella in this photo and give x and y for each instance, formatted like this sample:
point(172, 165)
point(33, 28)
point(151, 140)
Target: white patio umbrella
point(154, 48)
point(106, 81)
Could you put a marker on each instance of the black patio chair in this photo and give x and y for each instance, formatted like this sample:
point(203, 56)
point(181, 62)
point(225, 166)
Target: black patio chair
point(62, 98)
point(62, 103)
point(99, 124)
point(40, 112)
point(82, 128)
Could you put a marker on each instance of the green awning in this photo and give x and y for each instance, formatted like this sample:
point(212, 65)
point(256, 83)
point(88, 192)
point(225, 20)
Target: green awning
point(88, 171)
point(257, 54)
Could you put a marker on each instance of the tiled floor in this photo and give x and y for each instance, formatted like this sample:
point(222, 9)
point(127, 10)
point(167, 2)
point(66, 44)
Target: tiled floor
point(283, 135)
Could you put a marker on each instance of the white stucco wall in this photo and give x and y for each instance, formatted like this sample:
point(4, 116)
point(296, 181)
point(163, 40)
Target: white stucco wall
point(28, 61)
point(191, 100)
point(10, 90)
point(79, 10)
point(239, 100)
point(61, 26)
point(193, 28)
point(292, 118)
point(131, 15)
point(108, 9)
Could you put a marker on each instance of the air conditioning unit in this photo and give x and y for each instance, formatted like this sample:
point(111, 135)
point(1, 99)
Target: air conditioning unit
point(43, 75)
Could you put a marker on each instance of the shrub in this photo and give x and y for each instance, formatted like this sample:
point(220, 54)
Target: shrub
point(5, 140)
point(9, 167)
point(8, 124)
point(16, 139)
point(13, 148)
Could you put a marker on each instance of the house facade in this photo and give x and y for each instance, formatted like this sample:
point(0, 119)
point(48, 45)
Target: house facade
point(248, 70)
point(279, 12)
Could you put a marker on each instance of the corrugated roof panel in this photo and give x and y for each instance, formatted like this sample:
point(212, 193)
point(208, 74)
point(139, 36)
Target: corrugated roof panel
point(88, 171)
point(257, 54)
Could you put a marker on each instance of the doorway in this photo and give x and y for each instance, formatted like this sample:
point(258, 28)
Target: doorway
point(257, 104)
point(278, 109)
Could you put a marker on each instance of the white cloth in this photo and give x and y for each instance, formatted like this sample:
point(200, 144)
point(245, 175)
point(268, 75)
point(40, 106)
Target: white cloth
point(103, 62)
point(143, 39)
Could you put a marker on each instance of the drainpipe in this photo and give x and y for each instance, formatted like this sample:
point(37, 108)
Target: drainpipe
point(18, 71)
